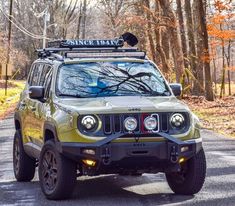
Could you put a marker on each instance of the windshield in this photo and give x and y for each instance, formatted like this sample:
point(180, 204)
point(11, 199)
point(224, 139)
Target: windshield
point(105, 79)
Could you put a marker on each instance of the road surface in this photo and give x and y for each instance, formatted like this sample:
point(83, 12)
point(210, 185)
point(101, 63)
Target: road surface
point(111, 190)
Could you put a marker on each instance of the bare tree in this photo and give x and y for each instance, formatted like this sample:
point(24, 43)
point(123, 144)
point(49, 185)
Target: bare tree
point(204, 47)
point(174, 38)
point(182, 32)
point(114, 10)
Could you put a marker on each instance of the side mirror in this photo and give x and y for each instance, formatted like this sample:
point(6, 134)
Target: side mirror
point(176, 89)
point(36, 92)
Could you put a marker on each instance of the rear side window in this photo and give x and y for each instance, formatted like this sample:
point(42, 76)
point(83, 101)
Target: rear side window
point(30, 74)
point(47, 84)
point(35, 75)
point(45, 71)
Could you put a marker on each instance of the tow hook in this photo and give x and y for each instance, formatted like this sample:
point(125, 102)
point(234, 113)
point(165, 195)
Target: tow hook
point(106, 156)
point(174, 155)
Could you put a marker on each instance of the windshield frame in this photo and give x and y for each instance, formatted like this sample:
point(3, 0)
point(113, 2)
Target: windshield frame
point(110, 60)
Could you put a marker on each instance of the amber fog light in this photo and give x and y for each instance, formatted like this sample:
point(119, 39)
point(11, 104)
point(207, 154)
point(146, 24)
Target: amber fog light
point(181, 160)
point(90, 163)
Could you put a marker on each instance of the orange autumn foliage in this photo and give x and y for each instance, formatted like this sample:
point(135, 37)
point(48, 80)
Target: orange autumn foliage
point(219, 25)
point(222, 5)
point(218, 22)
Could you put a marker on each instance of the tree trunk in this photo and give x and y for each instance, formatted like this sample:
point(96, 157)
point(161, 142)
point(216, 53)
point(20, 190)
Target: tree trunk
point(222, 88)
point(174, 38)
point(192, 49)
point(182, 33)
point(149, 31)
point(79, 22)
point(199, 45)
point(204, 39)
point(162, 47)
point(165, 43)
point(84, 11)
point(215, 75)
point(228, 58)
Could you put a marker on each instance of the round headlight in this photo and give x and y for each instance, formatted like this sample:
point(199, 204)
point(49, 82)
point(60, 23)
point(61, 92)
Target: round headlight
point(150, 123)
point(89, 122)
point(130, 123)
point(177, 120)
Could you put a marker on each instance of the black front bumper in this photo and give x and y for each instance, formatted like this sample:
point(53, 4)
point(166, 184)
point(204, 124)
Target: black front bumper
point(139, 156)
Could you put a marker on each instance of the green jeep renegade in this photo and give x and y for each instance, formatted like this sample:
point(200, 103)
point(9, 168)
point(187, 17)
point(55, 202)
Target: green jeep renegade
point(94, 107)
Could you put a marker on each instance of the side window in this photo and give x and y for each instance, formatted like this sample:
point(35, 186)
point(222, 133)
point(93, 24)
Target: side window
point(30, 74)
point(46, 69)
point(47, 84)
point(35, 75)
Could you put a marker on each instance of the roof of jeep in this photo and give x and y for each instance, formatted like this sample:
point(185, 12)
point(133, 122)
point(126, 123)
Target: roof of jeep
point(75, 51)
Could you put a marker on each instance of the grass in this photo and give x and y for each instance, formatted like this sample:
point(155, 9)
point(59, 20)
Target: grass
point(8, 102)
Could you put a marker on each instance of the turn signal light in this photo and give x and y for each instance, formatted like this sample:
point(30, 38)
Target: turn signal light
point(182, 159)
point(90, 163)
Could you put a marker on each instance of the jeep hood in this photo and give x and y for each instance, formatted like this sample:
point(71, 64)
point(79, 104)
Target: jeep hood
point(127, 104)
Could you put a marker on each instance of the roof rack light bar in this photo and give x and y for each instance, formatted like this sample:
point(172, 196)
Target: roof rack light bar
point(109, 49)
point(140, 55)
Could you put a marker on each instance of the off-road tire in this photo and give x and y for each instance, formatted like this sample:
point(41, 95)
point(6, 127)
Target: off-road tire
point(191, 179)
point(23, 165)
point(57, 174)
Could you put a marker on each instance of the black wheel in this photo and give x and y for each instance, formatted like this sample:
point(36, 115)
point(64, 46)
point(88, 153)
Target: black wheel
point(57, 174)
point(24, 165)
point(191, 178)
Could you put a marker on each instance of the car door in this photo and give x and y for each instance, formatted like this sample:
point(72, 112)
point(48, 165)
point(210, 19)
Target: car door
point(23, 105)
point(30, 123)
point(41, 106)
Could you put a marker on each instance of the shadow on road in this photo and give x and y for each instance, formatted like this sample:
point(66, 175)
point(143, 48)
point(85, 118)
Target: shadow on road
point(103, 190)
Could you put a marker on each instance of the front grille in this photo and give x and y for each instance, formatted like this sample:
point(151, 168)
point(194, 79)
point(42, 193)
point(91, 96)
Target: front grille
point(107, 126)
point(164, 122)
point(117, 123)
point(113, 123)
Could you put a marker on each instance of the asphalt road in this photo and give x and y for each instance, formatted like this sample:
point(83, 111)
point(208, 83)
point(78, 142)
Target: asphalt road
point(111, 190)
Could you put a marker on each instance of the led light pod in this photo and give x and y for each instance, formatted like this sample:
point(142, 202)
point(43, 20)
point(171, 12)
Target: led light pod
point(150, 123)
point(130, 123)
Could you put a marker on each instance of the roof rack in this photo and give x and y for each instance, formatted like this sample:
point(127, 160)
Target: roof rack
point(96, 43)
point(92, 48)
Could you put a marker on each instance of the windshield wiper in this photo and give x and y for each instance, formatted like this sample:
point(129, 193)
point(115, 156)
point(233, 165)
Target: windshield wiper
point(155, 93)
point(70, 95)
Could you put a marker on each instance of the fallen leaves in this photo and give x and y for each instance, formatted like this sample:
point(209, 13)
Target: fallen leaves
point(218, 115)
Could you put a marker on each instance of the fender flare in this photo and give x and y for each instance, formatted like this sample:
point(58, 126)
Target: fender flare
point(51, 127)
point(17, 118)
